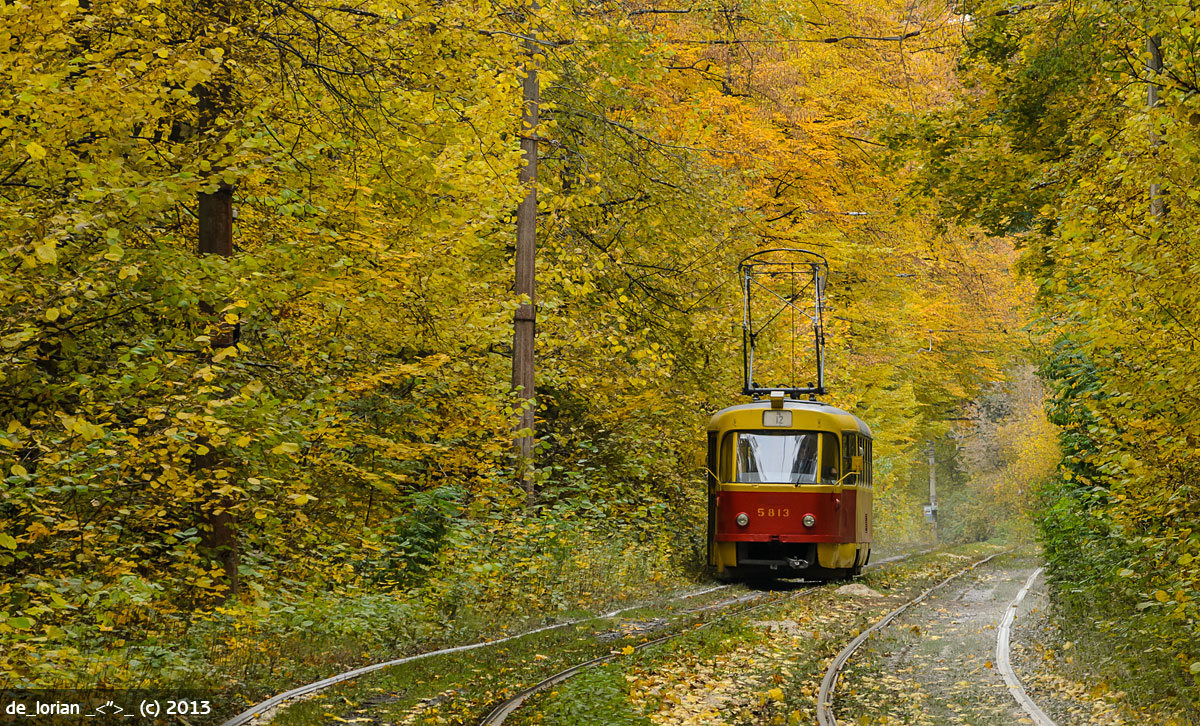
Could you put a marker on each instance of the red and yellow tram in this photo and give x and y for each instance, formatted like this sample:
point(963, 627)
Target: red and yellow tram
point(789, 490)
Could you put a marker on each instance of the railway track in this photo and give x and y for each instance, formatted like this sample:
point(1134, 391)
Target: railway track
point(503, 710)
point(1003, 664)
point(825, 715)
point(263, 711)
point(267, 707)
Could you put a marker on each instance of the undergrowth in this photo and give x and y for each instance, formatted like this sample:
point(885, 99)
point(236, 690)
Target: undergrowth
point(492, 578)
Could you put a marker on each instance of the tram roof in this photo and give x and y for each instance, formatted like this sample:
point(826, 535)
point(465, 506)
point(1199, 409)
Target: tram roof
point(848, 419)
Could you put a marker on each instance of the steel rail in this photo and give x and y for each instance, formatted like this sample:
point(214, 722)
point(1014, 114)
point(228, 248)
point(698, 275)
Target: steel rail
point(503, 710)
point(1004, 664)
point(825, 715)
point(280, 699)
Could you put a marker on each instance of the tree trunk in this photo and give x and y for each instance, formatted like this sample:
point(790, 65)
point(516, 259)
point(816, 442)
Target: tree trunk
point(215, 218)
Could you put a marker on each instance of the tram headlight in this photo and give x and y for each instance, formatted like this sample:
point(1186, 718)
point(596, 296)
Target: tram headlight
point(809, 520)
point(742, 519)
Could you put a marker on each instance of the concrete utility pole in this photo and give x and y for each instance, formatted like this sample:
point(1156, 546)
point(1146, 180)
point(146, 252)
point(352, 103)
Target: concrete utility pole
point(524, 322)
point(933, 511)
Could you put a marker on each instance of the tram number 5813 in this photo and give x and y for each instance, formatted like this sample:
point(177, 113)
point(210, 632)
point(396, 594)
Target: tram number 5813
point(773, 512)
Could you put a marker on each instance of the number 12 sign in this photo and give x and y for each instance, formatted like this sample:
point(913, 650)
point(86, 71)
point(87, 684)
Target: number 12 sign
point(777, 419)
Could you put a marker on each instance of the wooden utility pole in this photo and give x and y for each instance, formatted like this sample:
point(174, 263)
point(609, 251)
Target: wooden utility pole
point(1158, 205)
point(524, 323)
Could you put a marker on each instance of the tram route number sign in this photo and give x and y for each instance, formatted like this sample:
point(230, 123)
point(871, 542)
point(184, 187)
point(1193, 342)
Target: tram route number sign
point(777, 419)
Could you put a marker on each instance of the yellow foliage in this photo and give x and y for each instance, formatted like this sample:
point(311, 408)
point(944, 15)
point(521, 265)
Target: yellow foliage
point(329, 407)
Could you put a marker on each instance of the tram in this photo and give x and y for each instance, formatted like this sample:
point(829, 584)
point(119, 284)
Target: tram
point(789, 490)
point(788, 477)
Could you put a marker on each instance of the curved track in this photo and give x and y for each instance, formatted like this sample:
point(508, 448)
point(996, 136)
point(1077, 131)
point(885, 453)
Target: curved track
point(260, 709)
point(825, 715)
point(500, 712)
point(1004, 665)
point(265, 707)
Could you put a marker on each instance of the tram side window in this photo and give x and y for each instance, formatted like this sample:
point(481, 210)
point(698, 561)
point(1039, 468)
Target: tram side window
point(867, 472)
point(863, 447)
point(710, 462)
point(847, 452)
point(829, 458)
point(777, 457)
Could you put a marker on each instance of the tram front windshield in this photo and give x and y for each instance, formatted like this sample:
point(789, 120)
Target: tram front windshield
point(777, 457)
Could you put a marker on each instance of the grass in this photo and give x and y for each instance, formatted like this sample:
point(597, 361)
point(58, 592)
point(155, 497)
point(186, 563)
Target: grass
point(596, 696)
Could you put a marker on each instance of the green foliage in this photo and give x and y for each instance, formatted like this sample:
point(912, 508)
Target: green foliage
point(596, 695)
point(410, 542)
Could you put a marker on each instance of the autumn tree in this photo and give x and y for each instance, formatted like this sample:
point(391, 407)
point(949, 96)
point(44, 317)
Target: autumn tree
point(1076, 133)
point(333, 403)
